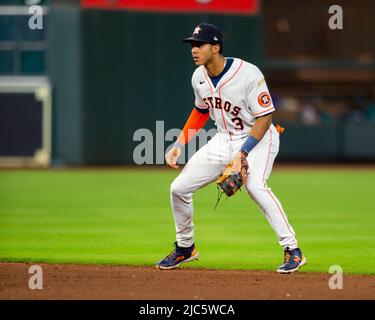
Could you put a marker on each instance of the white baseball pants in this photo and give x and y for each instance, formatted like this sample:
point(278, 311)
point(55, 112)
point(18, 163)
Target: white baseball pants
point(206, 165)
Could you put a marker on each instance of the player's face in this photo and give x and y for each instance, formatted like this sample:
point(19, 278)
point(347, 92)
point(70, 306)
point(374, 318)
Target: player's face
point(202, 53)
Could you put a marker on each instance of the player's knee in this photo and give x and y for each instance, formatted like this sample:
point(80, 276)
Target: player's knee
point(253, 187)
point(177, 189)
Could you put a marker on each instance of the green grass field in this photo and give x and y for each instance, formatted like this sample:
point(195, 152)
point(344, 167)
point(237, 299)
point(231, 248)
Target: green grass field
point(124, 217)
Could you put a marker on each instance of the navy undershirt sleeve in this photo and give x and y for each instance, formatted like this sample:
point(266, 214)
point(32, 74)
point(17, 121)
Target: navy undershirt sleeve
point(204, 111)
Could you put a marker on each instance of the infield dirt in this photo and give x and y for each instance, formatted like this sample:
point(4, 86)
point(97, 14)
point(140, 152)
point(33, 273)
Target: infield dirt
point(64, 281)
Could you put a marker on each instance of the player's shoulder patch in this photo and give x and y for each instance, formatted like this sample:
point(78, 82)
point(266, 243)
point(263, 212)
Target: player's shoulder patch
point(264, 99)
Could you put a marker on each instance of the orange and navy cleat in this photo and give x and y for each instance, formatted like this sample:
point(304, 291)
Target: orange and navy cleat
point(178, 256)
point(293, 259)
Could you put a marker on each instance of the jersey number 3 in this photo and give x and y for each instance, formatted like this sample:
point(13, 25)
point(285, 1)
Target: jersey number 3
point(238, 122)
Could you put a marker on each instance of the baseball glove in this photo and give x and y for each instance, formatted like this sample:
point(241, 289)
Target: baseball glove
point(233, 176)
point(230, 184)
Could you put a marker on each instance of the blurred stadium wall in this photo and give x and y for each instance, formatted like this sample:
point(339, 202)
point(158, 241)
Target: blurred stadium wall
point(112, 67)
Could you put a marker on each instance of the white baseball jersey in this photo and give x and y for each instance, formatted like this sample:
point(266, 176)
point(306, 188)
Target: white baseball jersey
point(239, 97)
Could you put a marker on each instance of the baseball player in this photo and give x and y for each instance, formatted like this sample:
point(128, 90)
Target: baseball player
point(234, 94)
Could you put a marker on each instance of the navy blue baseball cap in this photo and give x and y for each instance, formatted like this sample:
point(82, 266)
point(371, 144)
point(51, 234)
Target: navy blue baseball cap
point(206, 33)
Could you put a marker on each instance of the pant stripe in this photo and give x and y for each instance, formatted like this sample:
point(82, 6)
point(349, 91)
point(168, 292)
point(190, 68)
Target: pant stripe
point(282, 213)
point(264, 182)
point(268, 156)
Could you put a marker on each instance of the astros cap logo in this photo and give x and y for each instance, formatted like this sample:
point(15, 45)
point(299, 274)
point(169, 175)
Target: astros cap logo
point(196, 30)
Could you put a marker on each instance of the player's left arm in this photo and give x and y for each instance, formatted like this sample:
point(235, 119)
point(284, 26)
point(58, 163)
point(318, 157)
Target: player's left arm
point(256, 134)
point(261, 107)
point(262, 124)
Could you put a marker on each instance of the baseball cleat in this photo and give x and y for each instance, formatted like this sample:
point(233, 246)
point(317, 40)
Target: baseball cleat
point(293, 259)
point(178, 256)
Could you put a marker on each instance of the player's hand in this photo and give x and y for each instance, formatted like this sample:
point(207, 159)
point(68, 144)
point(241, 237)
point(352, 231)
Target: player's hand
point(172, 156)
point(240, 164)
